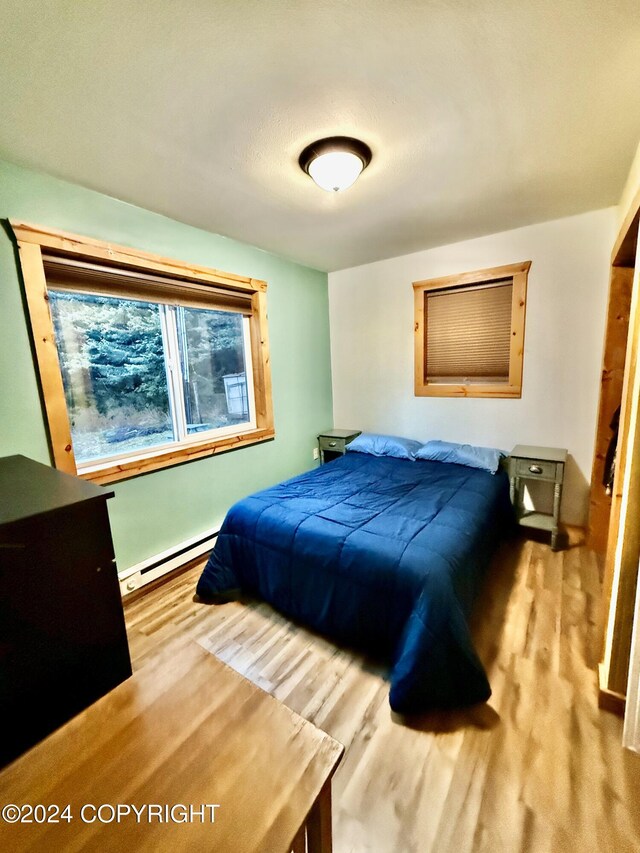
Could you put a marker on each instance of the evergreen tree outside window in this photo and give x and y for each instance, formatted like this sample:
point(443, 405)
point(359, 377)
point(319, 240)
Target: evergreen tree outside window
point(139, 375)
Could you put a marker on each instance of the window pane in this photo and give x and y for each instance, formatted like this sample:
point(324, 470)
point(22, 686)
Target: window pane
point(113, 370)
point(213, 368)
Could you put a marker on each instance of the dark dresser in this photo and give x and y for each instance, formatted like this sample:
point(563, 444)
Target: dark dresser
point(63, 642)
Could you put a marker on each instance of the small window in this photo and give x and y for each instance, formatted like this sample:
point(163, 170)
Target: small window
point(144, 362)
point(470, 333)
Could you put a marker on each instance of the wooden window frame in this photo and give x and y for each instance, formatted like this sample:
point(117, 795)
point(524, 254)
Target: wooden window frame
point(512, 388)
point(31, 241)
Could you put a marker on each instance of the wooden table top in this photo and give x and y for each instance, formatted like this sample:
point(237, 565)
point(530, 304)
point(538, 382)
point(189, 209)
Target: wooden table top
point(546, 454)
point(185, 730)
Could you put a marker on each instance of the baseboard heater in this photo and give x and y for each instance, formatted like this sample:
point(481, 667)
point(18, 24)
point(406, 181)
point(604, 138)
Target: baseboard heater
point(167, 561)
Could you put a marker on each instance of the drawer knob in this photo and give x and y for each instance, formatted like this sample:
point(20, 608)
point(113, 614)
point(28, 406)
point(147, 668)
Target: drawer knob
point(535, 469)
point(332, 443)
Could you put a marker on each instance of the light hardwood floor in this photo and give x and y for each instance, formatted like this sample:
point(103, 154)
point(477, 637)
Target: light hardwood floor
point(539, 768)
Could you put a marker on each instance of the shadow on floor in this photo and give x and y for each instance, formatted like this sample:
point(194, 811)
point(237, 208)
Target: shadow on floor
point(452, 720)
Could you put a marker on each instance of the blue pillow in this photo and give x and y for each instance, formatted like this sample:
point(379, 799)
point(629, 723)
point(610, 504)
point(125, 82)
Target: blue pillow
point(486, 458)
point(384, 445)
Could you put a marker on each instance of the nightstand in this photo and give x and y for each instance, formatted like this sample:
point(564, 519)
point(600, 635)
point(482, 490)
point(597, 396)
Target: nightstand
point(538, 463)
point(333, 443)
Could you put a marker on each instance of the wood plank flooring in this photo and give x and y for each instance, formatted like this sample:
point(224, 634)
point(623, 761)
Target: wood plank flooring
point(538, 768)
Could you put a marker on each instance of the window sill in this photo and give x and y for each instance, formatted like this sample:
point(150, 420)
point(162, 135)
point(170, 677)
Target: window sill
point(489, 390)
point(145, 464)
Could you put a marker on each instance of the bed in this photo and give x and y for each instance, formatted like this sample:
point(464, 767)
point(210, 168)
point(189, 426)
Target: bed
point(382, 554)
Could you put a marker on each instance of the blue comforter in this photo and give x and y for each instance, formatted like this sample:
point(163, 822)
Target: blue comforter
point(381, 553)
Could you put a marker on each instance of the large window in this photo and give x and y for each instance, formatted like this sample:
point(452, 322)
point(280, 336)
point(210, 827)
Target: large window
point(139, 375)
point(470, 333)
point(147, 368)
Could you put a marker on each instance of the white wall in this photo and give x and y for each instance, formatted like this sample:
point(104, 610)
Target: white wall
point(371, 316)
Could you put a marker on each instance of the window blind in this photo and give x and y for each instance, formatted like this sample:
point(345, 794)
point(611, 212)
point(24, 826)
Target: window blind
point(80, 276)
point(468, 333)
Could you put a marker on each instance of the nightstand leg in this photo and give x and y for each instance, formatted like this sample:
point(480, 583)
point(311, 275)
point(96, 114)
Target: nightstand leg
point(515, 495)
point(557, 495)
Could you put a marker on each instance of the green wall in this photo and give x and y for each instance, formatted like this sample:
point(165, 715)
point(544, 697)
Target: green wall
point(155, 511)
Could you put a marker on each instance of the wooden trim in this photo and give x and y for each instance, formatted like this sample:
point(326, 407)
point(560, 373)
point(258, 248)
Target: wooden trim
point(512, 388)
point(47, 357)
point(299, 843)
point(518, 317)
point(442, 389)
point(609, 700)
point(478, 276)
point(31, 239)
point(611, 385)
point(74, 245)
point(623, 541)
point(261, 362)
point(419, 343)
point(115, 471)
point(623, 552)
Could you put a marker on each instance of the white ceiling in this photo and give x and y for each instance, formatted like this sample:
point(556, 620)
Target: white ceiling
point(482, 115)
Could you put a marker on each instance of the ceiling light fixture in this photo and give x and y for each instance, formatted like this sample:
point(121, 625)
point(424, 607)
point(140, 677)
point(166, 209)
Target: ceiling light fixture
point(335, 163)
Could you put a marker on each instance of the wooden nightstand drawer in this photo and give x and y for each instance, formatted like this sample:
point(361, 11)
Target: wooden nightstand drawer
point(336, 444)
point(536, 469)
